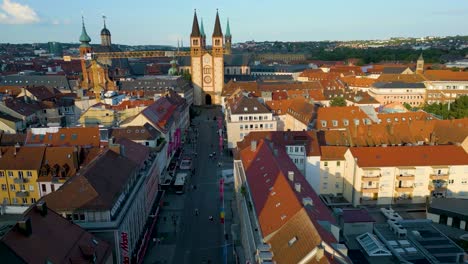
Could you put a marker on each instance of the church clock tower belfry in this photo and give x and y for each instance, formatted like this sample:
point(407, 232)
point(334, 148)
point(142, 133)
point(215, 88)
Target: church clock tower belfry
point(207, 66)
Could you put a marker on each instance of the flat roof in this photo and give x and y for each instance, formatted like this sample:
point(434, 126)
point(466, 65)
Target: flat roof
point(458, 206)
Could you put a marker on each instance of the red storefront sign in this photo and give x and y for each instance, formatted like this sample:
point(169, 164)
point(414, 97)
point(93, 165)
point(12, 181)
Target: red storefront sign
point(124, 247)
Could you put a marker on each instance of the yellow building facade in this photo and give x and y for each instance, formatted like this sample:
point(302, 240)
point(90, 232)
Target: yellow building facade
point(19, 168)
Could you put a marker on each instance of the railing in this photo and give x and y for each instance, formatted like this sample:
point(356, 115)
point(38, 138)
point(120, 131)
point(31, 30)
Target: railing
point(20, 180)
point(405, 177)
point(370, 189)
point(371, 177)
point(439, 176)
point(437, 186)
point(404, 188)
point(22, 194)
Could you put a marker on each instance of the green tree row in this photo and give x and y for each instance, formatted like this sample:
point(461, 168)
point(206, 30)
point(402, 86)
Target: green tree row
point(457, 109)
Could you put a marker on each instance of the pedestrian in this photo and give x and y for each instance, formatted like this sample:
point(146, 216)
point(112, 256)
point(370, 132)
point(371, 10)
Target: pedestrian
point(219, 164)
point(210, 218)
point(196, 211)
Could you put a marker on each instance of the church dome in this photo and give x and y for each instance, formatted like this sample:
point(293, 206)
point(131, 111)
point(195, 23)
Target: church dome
point(105, 32)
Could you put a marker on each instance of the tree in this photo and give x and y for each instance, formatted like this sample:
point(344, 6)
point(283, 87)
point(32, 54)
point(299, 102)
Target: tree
point(407, 106)
point(458, 109)
point(338, 101)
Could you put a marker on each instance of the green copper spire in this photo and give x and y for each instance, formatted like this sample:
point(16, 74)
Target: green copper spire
point(228, 29)
point(202, 30)
point(84, 38)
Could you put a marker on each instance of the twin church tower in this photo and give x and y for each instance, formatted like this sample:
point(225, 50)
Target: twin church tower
point(207, 66)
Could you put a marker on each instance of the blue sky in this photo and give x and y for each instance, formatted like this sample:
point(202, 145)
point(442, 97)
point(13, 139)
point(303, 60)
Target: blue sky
point(163, 22)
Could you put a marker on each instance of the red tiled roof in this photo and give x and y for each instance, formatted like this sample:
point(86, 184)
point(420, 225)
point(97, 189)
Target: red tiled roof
point(274, 196)
point(446, 75)
point(339, 114)
point(132, 104)
point(333, 152)
point(410, 156)
point(69, 136)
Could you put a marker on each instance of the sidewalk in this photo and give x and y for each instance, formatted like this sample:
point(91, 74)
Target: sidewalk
point(162, 252)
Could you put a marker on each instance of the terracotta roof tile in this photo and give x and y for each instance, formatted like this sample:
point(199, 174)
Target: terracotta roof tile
point(22, 158)
point(333, 152)
point(301, 110)
point(340, 114)
point(59, 162)
point(446, 75)
point(55, 240)
point(358, 82)
point(409, 78)
point(70, 136)
point(410, 156)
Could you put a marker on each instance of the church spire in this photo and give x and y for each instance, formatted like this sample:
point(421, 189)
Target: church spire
point(195, 27)
point(217, 29)
point(228, 29)
point(84, 38)
point(202, 29)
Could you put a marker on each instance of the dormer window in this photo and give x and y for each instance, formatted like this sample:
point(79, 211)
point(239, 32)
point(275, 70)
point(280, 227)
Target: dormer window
point(346, 122)
point(324, 123)
point(245, 109)
point(334, 123)
point(292, 241)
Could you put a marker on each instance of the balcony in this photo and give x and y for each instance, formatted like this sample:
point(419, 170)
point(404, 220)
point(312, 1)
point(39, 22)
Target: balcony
point(404, 189)
point(20, 180)
point(22, 194)
point(444, 177)
point(370, 190)
point(405, 177)
point(367, 178)
point(437, 186)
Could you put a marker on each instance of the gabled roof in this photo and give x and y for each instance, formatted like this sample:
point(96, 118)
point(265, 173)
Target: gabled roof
point(446, 75)
point(281, 139)
point(242, 104)
point(98, 185)
point(61, 159)
point(134, 151)
point(412, 78)
point(160, 114)
point(69, 136)
point(340, 114)
point(19, 106)
point(410, 156)
point(358, 82)
point(145, 132)
point(12, 139)
point(53, 239)
point(22, 158)
point(42, 92)
point(332, 152)
point(394, 70)
point(301, 110)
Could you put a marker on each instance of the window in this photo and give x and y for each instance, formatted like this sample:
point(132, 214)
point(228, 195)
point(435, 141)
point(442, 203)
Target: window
point(31, 188)
point(217, 42)
point(240, 118)
point(12, 187)
point(44, 188)
point(14, 201)
point(20, 175)
point(2, 174)
point(338, 163)
point(29, 173)
point(33, 200)
point(296, 149)
point(82, 217)
point(337, 185)
point(334, 123)
point(324, 123)
point(10, 174)
point(22, 187)
point(325, 163)
point(25, 200)
point(195, 42)
point(52, 187)
point(4, 187)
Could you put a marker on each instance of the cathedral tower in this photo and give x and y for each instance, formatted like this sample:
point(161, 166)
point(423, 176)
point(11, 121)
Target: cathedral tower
point(218, 61)
point(207, 66)
point(420, 64)
point(105, 35)
point(228, 38)
point(196, 61)
point(85, 49)
point(203, 35)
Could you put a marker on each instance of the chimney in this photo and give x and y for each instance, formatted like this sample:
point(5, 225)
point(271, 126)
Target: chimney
point(24, 227)
point(297, 186)
point(41, 206)
point(320, 252)
point(253, 145)
point(291, 175)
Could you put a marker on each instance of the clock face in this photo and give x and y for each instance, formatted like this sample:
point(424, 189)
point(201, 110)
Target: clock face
point(207, 79)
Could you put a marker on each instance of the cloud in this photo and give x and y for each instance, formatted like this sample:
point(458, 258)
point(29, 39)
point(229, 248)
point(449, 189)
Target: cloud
point(16, 13)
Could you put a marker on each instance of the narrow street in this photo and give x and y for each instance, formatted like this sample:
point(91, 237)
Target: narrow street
point(183, 236)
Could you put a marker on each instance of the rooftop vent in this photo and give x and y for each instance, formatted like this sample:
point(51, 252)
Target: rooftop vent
point(41, 206)
point(297, 186)
point(25, 227)
point(291, 175)
point(307, 201)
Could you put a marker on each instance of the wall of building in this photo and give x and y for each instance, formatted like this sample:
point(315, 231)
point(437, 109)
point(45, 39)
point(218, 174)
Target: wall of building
point(312, 173)
point(331, 176)
point(291, 123)
point(236, 128)
point(22, 192)
point(412, 96)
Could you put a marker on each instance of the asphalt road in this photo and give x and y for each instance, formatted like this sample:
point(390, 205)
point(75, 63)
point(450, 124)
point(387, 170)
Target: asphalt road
point(200, 240)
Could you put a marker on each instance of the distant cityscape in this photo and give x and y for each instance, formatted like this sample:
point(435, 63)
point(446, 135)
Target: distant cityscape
point(225, 152)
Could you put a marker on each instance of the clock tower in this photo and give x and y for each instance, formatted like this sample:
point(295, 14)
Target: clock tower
point(207, 66)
